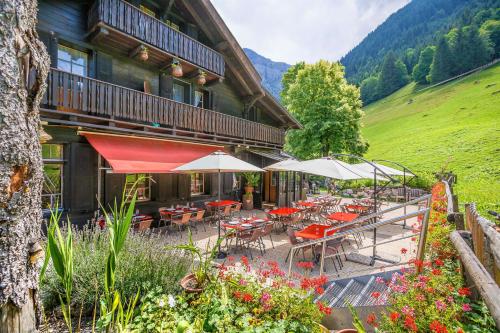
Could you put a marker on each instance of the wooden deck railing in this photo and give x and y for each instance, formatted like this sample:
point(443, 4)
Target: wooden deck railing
point(74, 93)
point(129, 19)
point(479, 250)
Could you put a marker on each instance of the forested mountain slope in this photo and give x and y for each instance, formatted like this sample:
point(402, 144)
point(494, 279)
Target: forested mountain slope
point(414, 26)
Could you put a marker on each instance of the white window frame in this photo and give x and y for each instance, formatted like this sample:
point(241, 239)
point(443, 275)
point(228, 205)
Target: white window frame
point(55, 197)
point(199, 186)
point(146, 188)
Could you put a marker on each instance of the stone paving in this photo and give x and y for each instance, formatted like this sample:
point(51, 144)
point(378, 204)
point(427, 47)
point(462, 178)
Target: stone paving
point(385, 233)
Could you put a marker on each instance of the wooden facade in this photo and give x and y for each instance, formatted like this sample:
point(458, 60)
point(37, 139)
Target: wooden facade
point(102, 81)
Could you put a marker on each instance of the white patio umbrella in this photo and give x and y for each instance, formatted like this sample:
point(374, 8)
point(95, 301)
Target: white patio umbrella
point(333, 168)
point(219, 162)
point(387, 170)
point(285, 165)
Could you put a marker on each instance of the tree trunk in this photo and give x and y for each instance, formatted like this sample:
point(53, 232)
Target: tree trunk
point(21, 174)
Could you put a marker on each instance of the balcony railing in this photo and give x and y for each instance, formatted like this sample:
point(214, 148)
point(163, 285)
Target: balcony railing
point(132, 21)
point(72, 93)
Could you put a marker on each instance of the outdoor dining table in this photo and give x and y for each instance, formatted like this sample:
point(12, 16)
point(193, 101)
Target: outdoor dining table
point(307, 204)
point(179, 211)
point(284, 211)
point(343, 217)
point(357, 208)
point(315, 231)
point(222, 203)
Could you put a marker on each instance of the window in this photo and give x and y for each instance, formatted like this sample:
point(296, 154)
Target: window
point(198, 99)
point(53, 163)
point(71, 60)
point(143, 185)
point(181, 92)
point(197, 184)
point(178, 93)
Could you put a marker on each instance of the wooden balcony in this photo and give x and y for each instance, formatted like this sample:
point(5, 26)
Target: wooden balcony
point(75, 100)
point(124, 28)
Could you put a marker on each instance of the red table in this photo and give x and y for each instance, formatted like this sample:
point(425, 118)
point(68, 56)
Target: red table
point(357, 207)
point(305, 204)
point(315, 231)
point(284, 211)
point(222, 203)
point(343, 217)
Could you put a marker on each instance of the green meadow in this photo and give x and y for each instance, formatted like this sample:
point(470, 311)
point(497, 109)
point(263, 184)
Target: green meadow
point(455, 126)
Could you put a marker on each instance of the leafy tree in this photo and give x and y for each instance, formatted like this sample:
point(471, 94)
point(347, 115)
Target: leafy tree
point(327, 106)
point(422, 68)
point(369, 91)
point(393, 75)
point(479, 50)
point(491, 30)
point(442, 64)
point(410, 58)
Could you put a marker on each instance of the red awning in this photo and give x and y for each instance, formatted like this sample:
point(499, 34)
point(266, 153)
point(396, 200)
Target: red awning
point(128, 154)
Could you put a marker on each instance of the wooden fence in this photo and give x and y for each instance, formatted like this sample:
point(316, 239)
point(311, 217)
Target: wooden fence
point(477, 242)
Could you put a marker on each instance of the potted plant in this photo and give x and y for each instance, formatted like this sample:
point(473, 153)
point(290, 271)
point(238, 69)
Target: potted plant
point(252, 180)
point(201, 266)
point(177, 69)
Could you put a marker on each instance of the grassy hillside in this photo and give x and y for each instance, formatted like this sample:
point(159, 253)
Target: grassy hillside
point(457, 124)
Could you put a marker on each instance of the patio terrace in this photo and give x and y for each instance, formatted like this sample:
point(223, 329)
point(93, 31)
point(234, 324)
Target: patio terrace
point(394, 248)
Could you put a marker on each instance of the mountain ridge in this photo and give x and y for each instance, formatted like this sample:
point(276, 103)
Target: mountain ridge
point(270, 71)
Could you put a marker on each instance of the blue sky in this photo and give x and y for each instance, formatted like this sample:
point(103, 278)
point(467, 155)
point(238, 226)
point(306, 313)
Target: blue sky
point(294, 30)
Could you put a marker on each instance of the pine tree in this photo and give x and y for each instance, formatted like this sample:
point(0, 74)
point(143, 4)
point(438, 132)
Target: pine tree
point(479, 50)
point(393, 76)
point(422, 68)
point(369, 90)
point(442, 63)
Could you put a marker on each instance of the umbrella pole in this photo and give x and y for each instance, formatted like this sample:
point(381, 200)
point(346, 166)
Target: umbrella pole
point(220, 255)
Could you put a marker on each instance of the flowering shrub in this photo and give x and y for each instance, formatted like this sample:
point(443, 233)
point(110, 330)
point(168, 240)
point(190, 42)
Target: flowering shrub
point(241, 299)
point(434, 300)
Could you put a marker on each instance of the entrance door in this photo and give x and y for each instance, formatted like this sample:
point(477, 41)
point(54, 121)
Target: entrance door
point(270, 187)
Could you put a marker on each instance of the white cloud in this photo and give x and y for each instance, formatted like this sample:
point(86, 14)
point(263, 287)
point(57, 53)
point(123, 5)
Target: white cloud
point(294, 30)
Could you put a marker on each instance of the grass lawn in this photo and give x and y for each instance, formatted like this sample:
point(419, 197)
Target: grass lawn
point(455, 126)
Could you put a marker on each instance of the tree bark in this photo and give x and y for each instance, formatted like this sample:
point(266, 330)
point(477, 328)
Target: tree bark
point(21, 172)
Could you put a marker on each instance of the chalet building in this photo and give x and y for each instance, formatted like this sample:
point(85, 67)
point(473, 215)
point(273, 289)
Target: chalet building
point(141, 87)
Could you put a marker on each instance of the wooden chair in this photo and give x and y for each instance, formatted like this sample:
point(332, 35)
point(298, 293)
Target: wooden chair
point(294, 241)
point(235, 209)
point(332, 251)
point(266, 231)
point(226, 213)
point(181, 220)
point(165, 216)
point(255, 237)
point(197, 219)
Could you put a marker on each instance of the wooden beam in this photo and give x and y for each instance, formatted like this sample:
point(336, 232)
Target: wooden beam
point(486, 286)
point(98, 34)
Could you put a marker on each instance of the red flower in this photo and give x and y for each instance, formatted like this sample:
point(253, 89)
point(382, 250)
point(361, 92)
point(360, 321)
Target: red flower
point(437, 327)
point(247, 297)
point(244, 260)
point(436, 271)
point(372, 320)
point(375, 294)
point(319, 290)
point(324, 309)
point(394, 316)
point(438, 262)
point(404, 250)
point(305, 264)
point(410, 323)
point(230, 258)
point(464, 291)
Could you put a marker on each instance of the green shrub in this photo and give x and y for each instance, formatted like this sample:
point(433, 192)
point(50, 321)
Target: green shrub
point(144, 263)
